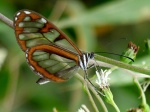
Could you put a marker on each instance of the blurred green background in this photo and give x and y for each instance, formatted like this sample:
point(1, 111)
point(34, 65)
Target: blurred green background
point(94, 25)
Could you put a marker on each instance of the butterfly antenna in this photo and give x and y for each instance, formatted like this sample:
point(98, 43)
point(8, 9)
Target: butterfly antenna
point(117, 55)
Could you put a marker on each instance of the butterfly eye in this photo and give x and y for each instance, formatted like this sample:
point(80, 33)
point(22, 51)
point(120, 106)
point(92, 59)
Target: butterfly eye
point(49, 52)
point(91, 55)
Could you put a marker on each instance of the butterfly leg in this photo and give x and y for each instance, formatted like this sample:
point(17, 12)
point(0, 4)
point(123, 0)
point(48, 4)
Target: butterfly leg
point(91, 66)
point(87, 79)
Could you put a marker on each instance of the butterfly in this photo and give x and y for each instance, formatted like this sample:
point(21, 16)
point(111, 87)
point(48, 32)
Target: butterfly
point(49, 52)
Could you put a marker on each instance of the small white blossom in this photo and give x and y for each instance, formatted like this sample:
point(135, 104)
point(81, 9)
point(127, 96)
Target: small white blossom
point(102, 78)
point(145, 85)
point(83, 109)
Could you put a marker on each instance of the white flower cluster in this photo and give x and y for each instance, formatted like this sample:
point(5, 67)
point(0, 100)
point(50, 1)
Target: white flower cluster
point(102, 78)
point(83, 109)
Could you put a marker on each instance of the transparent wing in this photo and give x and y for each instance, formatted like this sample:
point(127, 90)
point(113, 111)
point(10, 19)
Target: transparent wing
point(46, 61)
point(32, 29)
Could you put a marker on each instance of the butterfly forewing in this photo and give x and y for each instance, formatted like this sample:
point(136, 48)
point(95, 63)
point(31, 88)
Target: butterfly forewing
point(32, 29)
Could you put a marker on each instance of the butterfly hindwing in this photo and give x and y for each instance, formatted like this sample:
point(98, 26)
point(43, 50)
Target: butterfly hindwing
point(45, 60)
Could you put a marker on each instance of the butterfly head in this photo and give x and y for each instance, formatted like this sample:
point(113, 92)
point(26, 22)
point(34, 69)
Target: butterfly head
point(91, 55)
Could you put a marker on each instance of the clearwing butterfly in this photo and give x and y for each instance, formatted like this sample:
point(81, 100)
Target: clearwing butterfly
point(49, 52)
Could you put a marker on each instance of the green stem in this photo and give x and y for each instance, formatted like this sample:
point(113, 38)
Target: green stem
point(109, 98)
point(122, 65)
point(93, 91)
point(116, 107)
point(144, 104)
point(98, 97)
point(91, 98)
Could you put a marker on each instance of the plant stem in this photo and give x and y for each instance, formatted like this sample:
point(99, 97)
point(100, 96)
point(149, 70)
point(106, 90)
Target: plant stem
point(143, 104)
point(90, 97)
point(6, 20)
point(122, 65)
point(93, 91)
point(116, 107)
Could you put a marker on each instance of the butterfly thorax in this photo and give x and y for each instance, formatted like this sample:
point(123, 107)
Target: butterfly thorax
point(84, 60)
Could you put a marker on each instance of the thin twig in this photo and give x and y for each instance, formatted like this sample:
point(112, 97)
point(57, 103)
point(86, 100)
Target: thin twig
point(144, 103)
point(93, 91)
point(6, 20)
point(90, 97)
point(122, 65)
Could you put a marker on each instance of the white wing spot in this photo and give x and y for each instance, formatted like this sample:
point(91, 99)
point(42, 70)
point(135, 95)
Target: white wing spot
point(21, 24)
point(18, 14)
point(26, 55)
point(43, 20)
point(43, 81)
point(32, 67)
point(16, 18)
point(39, 74)
point(27, 12)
